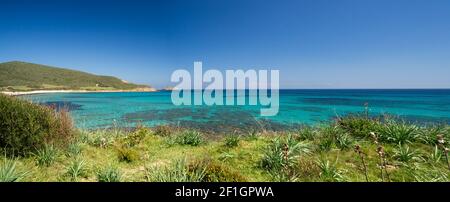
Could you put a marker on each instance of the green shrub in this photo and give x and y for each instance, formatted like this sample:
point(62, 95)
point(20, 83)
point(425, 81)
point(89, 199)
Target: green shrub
point(189, 137)
point(127, 154)
point(25, 127)
point(232, 141)
point(177, 172)
point(358, 126)
point(9, 172)
point(46, 156)
point(134, 138)
point(109, 174)
point(77, 168)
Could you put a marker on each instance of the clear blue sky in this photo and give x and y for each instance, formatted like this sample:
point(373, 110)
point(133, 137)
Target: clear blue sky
point(314, 43)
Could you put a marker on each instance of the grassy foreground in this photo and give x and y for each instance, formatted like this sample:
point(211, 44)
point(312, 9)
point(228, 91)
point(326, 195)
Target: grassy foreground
point(40, 144)
point(350, 149)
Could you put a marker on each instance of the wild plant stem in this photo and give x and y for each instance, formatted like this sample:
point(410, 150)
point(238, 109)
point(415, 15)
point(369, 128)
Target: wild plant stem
point(365, 167)
point(381, 169)
point(448, 163)
point(385, 170)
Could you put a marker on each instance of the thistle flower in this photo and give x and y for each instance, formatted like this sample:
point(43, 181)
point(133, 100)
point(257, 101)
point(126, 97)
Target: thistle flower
point(357, 149)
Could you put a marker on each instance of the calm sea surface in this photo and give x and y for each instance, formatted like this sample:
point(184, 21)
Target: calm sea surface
point(102, 110)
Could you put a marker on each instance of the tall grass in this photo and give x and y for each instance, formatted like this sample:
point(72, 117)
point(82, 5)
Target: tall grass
point(46, 156)
point(283, 153)
point(9, 172)
point(329, 171)
point(398, 132)
point(404, 154)
point(109, 174)
point(189, 137)
point(232, 141)
point(76, 169)
point(177, 172)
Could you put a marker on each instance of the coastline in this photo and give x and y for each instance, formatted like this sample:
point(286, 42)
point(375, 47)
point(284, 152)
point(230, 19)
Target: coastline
point(18, 93)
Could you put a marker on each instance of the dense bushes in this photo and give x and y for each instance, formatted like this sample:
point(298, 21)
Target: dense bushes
point(26, 127)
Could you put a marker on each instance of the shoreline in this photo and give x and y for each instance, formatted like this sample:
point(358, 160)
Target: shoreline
point(18, 93)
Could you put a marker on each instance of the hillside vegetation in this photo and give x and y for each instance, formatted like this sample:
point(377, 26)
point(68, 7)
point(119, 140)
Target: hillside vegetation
point(22, 76)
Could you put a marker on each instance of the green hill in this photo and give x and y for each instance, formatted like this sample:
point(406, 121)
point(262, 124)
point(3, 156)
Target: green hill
point(23, 76)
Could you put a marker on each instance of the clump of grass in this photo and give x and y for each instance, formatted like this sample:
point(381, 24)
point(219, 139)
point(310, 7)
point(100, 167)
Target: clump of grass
point(76, 169)
point(109, 174)
point(306, 133)
point(176, 172)
point(135, 137)
point(398, 132)
point(46, 156)
point(429, 135)
point(325, 144)
point(283, 153)
point(430, 175)
point(404, 154)
point(163, 130)
point(307, 169)
point(215, 171)
point(9, 172)
point(224, 156)
point(332, 135)
point(74, 149)
point(436, 156)
point(189, 137)
point(101, 138)
point(253, 135)
point(329, 172)
point(232, 141)
point(126, 154)
point(344, 141)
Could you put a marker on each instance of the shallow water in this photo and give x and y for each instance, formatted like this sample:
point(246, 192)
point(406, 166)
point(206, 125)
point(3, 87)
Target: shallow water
point(297, 107)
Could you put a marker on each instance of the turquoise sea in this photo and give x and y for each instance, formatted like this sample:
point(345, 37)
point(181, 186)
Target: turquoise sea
point(297, 107)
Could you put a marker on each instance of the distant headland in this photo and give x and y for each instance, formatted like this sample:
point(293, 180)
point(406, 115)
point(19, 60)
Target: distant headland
point(18, 78)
